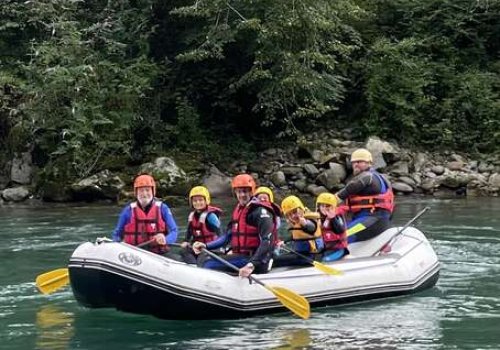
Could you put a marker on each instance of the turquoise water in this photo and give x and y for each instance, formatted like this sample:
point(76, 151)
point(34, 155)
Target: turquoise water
point(461, 312)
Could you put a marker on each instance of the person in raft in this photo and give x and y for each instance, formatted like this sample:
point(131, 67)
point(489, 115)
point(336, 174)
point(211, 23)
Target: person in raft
point(368, 199)
point(333, 228)
point(203, 223)
point(265, 194)
point(305, 233)
point(147, 219)
point(251, 233)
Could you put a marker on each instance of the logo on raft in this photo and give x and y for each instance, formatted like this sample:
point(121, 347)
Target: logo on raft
point(130, 259)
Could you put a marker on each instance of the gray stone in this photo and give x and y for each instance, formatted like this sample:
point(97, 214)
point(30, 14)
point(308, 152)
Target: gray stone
point(311, 170)
point(315, 190)
point(21, 170)
point(278, 178)
point(290, 170)
point(455, 165)
point(300, 185)
point(402, 187)
point(330, 178)
point(103, 185)
point(407, 180)
point(438, 169)
point(15, 194)
point(399, 168)
point(494, 180)
point(217, 182)
point(419, 161)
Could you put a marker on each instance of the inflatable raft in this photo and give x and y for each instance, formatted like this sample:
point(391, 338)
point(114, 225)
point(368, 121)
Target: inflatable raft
point(131, 279)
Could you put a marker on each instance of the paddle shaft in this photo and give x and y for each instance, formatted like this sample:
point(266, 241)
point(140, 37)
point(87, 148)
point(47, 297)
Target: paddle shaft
point(390, 241)
point(235, 268)
point(306, 258)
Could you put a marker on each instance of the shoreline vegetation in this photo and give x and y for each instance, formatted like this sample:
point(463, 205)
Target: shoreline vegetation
point(94, 92)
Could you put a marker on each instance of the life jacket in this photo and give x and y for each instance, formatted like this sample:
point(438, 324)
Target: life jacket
point(245, 237)
point(333, 240)
point(303, 241)
point(142, 227)
point(368, 204)
point(198, 226)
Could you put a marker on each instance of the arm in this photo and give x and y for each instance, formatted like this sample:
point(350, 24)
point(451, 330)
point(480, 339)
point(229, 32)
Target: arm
point(213, 223)
point(170, 221)
point(338, 224)
point(221, 241)
point(117, 234)
point(356, 185)
point(309, 227)
point(264, 221)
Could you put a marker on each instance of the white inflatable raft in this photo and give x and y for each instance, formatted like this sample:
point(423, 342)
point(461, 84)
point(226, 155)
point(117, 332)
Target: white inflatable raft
point(132, 279)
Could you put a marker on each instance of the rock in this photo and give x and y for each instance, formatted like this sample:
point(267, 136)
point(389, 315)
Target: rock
point(402, 187)
point(21, 169)
point(494, 180)
point(170, 178)
point(291, 170)
point(407, 180)
point(311, 170)
point(217, 182)
point(428, 185)
point(454, 180)
point(338, 170)
point(278, 178)
point(315, 190)
point(399, 168)
point(484, 167)
point(15, 194)
point(438, 169)
point(330, 178)
point(455, 165)
point(317, 155)
point(103, 185)
point(300, 185)
point(419, 161)
point(4, 181)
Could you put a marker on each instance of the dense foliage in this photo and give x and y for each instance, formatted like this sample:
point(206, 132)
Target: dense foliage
point(84, 84)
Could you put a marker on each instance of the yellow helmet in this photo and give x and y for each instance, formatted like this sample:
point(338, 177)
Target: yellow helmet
point(265, 190)
point(200, 191)
point(361, 154)
point(290, 203)
point(327, 198)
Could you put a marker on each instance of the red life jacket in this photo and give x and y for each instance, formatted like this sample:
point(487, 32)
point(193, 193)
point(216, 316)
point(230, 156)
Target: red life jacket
point(142, 227)
point(383, 200)
point(198, 226)
point(244, 237)
point(333, 240)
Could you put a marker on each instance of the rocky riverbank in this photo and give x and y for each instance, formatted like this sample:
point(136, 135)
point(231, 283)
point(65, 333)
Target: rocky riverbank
point(314, 164)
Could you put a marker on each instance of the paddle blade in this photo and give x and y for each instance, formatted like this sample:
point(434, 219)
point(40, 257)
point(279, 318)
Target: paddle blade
point(51, 281)
point(296, 303)
point(326, 269)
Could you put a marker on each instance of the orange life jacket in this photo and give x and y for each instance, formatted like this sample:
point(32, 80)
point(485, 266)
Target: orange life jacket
point(383, 200)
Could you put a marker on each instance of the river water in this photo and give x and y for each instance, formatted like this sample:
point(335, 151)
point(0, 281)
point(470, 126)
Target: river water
point(461, 312)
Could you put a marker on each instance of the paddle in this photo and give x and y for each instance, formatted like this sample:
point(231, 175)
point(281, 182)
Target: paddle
point(296, 303)
point(322, 267)
point(51, 281)
point(392, 239)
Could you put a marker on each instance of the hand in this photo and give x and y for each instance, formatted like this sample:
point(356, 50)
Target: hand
point(160, 239)
point(198, 246)
point(246, 270)
point(185, 245)
point(280, 243)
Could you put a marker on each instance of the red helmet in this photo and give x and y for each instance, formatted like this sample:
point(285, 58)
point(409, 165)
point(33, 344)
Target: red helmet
point(243, 180)
point(144, 181)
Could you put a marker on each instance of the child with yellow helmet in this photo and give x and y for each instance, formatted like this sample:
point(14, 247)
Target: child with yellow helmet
point(333, 227)
point(203, 222)
point(305, 229)
point(265, 194)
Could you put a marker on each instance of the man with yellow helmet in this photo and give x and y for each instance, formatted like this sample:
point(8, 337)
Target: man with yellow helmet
point(304, 227)
point(203, 222)
point(333, 228)
point(146, 219)
point(368, 198)
point(252, 233)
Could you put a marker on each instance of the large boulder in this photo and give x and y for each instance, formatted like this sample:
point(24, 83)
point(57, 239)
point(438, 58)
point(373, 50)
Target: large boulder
point(103, 185)
point(217, 182)
point(21, 169)
point(15, 194)
point(170, 178)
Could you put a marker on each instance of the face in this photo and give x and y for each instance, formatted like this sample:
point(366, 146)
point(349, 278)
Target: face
point(198, 202)
point(358, 166)
point(295, 214)
point(243, 195)
point(263, 197)
point(144, 195)
point(324, 208)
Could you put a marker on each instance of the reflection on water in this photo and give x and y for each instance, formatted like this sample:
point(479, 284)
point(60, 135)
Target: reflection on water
point(54, 328)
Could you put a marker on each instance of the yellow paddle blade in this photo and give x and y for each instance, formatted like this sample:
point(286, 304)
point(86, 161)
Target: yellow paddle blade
point(51, 281)
point(326, 269)
point(355, 229)
point(294, 302)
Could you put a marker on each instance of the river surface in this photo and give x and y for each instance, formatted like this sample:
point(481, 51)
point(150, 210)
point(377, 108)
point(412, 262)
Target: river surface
point(461, 312)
